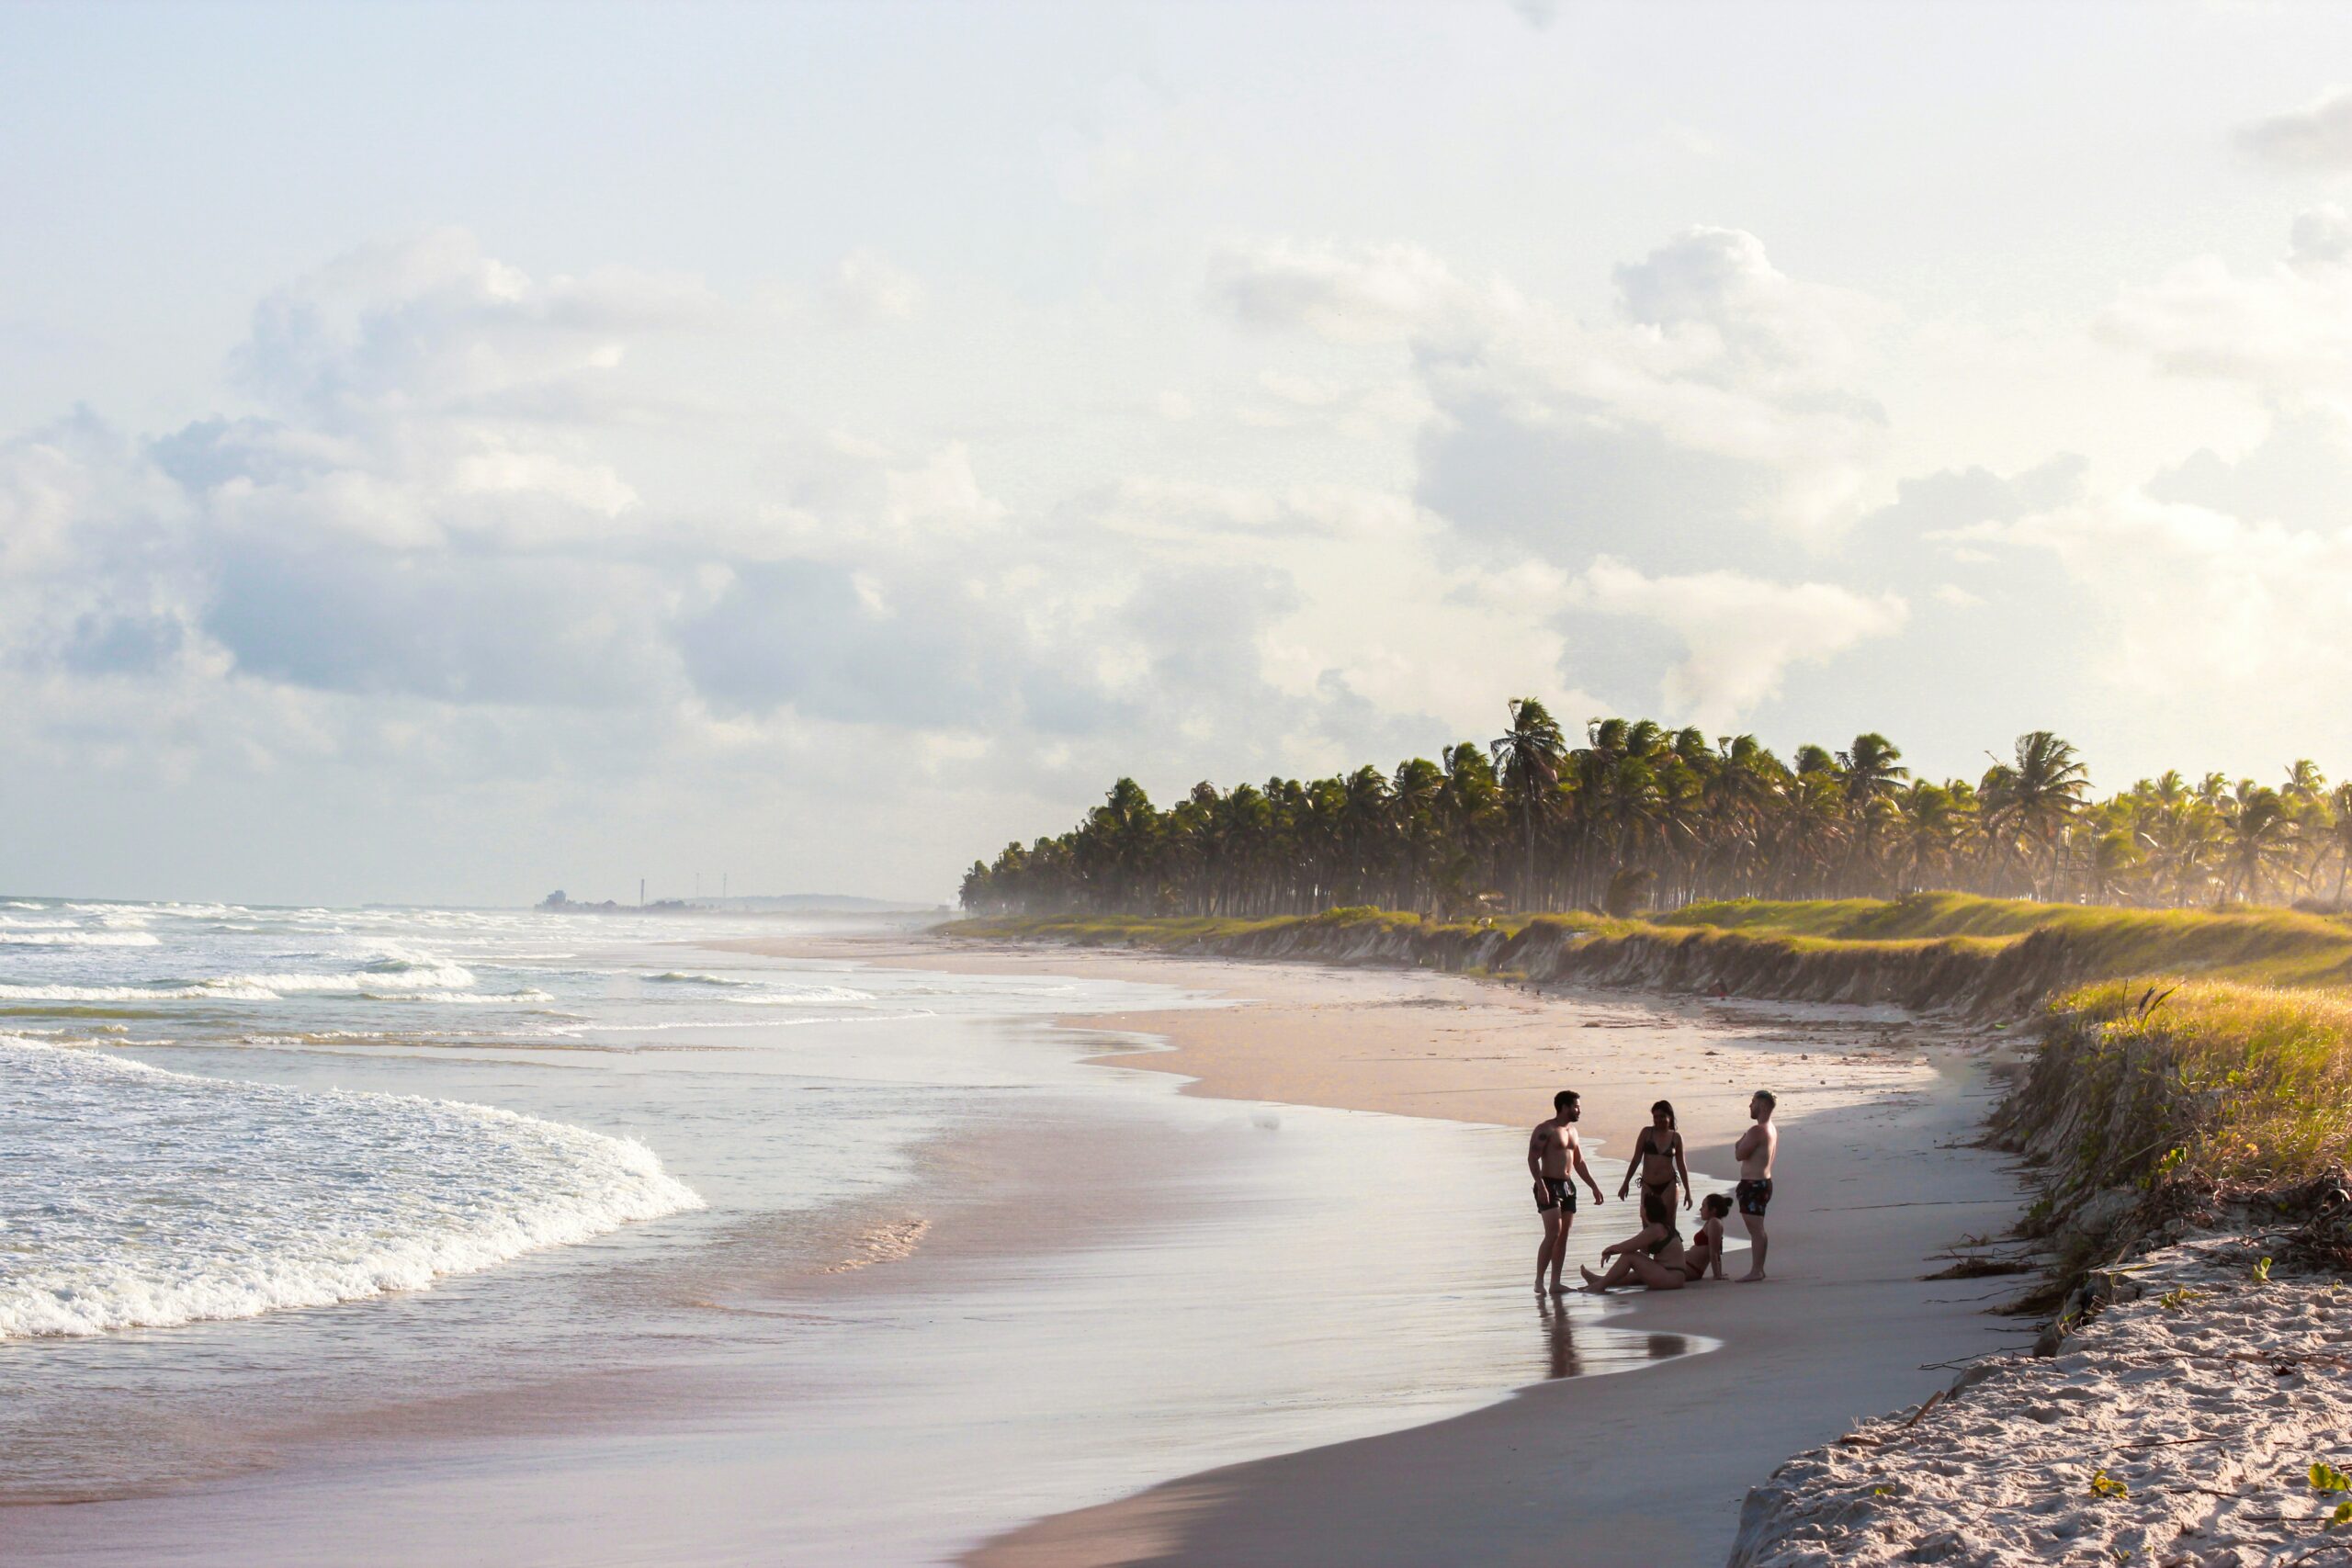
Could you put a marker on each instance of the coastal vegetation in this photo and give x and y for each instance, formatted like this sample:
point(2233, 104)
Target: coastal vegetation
point(2274, 947)
point(2233, 1087)
point(1641, 815)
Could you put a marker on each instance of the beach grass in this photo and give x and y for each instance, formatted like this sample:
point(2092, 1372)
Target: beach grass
point(2254, 945)
point(2235, 1087)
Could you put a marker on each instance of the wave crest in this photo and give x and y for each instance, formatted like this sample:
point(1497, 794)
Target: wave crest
point(231, 1220)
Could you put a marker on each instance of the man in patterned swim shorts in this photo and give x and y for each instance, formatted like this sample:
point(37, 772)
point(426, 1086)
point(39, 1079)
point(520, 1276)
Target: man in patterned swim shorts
point(1555, 1158)
point(1755, 1151)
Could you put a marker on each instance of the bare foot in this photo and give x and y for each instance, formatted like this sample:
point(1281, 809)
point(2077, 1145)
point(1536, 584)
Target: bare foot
point(1558, 1289)
point(1747, 1279)
point(1591, 1280)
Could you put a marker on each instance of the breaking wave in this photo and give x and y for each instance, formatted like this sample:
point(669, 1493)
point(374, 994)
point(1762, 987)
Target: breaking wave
point(137, 1197)
point(21, 937)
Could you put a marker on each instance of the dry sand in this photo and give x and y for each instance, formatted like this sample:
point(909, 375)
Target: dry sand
point(1877, 1173)
point(2203, 1403)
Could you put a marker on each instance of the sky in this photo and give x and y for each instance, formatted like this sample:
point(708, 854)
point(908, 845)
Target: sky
point(452, 453)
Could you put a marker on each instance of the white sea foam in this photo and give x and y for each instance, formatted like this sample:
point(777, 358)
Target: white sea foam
point(74, 938)
point(805, 994)
point(469, 999)
point(141, 1198)
point(695, 977)
point(384, 980)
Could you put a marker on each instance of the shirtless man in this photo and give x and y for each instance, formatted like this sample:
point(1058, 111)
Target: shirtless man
point(1552, 1152)
point(1755, 1151)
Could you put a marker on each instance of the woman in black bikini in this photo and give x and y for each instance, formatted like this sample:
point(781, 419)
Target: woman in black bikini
point(1674, 1267)
point(1658, 1155)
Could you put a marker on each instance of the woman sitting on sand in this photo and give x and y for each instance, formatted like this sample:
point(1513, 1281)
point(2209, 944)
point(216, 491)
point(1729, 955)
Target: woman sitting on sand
point(1674, 1267)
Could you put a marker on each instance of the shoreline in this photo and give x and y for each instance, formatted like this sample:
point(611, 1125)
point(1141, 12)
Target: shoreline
point(1877, 1111)
point(1055, 1342)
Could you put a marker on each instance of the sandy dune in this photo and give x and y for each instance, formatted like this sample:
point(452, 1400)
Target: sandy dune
point(2177, 1429)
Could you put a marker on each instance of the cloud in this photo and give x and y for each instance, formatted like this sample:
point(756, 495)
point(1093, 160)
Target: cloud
point(433, 325)
point(2317, 136)
point(1740, 636)
point(402, 555)
point(2199, 605)
point(1350, 293)
point(1213, 515)
point(869, 287)
point(2284, 333)
point(1716, 404)
point(2299, 475)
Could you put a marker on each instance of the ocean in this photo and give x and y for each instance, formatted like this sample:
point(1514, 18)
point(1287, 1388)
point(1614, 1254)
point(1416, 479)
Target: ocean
point(349, 1236)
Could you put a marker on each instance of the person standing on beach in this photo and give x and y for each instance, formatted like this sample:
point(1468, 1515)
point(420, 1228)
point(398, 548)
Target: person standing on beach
point(1755, 1151)
point(1553, 1151)
point(1658, 1155)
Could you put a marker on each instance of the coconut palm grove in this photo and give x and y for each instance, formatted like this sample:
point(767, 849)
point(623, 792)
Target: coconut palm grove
point(1643, 816)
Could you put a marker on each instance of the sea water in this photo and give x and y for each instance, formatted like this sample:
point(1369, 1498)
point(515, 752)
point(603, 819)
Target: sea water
point(360, 1236)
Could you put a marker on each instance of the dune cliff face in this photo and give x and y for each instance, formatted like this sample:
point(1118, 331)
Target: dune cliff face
point(1962, 975)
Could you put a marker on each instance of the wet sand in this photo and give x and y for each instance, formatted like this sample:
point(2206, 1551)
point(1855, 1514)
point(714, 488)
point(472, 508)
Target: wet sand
point(1085, 1283)
point(1876, 1175)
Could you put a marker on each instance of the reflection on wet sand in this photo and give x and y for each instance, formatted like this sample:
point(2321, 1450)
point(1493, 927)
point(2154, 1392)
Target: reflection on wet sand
point(1561, 1359)
point(1559, 1339)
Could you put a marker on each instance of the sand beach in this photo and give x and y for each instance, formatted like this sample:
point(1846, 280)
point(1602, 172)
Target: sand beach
point(1879, 1173)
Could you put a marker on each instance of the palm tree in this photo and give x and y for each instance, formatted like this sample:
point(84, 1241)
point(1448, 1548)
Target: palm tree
point(1930, 825)
point(1640, 812)
point(2261, 838)
point(1869, 773)
point(1528, 757)
point(2339, 806)
point(2033, 801)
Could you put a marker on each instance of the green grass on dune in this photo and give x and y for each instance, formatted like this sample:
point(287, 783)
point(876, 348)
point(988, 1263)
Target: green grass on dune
point(1167, 931)
point(1919, 916)
point(2259, 946)
point(2244, 1087)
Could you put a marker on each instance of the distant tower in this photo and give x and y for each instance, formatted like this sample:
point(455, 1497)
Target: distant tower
point(640, 893)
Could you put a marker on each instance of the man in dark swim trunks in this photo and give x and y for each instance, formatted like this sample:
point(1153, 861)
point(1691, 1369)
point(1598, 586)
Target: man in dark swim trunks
point(1755, 1151)
point(1552, 1152)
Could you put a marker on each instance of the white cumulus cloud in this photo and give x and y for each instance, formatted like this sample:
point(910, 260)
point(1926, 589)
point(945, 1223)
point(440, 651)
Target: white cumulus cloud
point(2316, 135)
point(1740, 635)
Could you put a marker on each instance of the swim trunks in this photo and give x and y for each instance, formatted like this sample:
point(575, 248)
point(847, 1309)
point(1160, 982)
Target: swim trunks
point(1554, 1193)
point(1754, 1197)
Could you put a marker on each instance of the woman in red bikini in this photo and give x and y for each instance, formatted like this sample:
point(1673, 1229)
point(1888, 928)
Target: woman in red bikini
point(1675, 1266)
